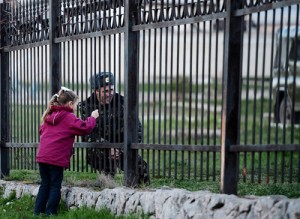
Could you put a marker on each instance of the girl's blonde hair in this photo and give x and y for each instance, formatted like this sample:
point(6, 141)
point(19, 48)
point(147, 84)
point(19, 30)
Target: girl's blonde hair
point(64, 96)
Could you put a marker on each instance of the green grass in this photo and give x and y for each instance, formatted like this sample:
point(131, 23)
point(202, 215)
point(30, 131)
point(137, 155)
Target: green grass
point(13, 208)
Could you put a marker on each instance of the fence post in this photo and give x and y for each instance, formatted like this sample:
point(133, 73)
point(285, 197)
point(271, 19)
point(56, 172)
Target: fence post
point(131, 93)
point(4, 98)
point(55, 51)
point(231, 97)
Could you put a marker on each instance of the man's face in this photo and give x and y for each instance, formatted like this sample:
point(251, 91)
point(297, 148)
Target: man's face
point(105, 94)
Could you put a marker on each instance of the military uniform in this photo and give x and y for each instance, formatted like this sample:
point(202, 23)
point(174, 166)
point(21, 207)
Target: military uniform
point(109, 128)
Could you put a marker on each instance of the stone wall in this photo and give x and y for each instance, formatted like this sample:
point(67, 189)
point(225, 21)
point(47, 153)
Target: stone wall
point(169, 203)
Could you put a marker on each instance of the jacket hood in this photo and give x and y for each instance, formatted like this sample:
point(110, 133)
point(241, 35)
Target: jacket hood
point(56, 114)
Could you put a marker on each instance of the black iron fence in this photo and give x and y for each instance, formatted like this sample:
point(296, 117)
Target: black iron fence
point(213, 83)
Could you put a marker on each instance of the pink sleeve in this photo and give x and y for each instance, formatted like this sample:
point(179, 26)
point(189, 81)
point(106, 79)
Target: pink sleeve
point(80, 127)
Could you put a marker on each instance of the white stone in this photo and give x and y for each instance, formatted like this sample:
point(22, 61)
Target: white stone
point(169, 203)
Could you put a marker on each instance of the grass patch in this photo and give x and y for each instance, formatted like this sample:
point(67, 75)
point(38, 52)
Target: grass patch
point(290, 190)
point(13, 208)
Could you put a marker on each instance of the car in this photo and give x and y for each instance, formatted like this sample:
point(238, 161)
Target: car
point(286, 76)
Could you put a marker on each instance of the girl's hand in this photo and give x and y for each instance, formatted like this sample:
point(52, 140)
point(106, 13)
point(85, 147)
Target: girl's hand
point(95, 114)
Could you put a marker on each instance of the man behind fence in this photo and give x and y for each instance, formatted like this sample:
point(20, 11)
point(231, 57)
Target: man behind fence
point(109, 128)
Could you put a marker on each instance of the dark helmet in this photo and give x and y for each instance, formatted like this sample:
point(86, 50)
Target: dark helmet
point(102, 79)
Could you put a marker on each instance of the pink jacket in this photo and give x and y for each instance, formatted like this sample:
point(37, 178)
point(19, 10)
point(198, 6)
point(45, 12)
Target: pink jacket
point(58, 135)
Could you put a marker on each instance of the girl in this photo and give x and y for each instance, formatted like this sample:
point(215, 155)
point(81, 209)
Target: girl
point(57, 134)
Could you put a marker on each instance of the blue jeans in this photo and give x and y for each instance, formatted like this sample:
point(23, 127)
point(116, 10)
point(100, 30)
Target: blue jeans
point(49, 194)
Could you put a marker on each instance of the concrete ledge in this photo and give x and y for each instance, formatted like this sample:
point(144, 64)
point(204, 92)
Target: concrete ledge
point(169, 203)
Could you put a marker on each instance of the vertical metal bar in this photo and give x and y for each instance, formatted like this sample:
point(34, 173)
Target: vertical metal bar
point(4, 97)
point(36, 90)
point(32, 92)
point(245, 170)
point(177, 97)
point(111, 126)
point(201, 166)
point(203, 84)
point(294, 70)
point(148, 97)
point(282, 166)
point(203, 98)
point(208, 98)
point(68, 65)
point(40, 91)
point(183, 91)
point(18, 89)
point(102, 110)
point(159, 98)
point(255, 99)
point(71, 82)
point(275, 166)
point(270, 96)
point(280, 43)
point(183, 100)
point(78, 53)
point(255, 80)
point(114, 69)
point(208, 83)
point(262, 93)
point(15, 90)
point(196, 97)
point(22, 99)
point(55, 51)
point(154, 98)
point(294, 97)
point(73, 72)
point(298, 174)
point(83, 85)
point(286, 93)
point(190, 99)
point(279, 52)
point(143, 38)
point(27, 93)
point(286, 70)
point(131, 85)
point(165, 101)
point(216, 96)
point(171, 99)
point(22, 155)
point(85, 51)
point(37, 71)
point(259, 166)
point(231, 98)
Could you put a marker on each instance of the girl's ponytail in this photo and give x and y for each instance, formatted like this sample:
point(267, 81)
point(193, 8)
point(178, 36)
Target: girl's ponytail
point(53, 101)
point(64, 96)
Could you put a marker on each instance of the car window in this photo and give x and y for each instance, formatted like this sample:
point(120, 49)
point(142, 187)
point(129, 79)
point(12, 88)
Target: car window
point(295, 50)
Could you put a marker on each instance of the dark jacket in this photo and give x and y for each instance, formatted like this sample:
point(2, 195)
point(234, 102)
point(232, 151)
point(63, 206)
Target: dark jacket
point(58, 135)
point(110, 128)
point(110, 124)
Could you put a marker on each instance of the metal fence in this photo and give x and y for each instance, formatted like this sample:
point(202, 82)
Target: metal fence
point(214, 83)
